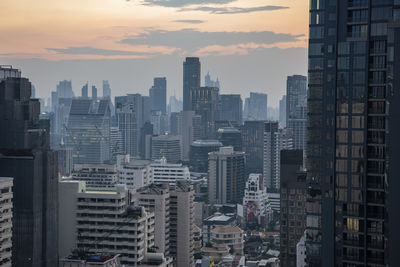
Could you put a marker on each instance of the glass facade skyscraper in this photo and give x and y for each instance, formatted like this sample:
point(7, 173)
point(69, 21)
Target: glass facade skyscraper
point(191, 79)
point(352, 101)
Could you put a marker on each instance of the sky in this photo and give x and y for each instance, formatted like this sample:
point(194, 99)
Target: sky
point(250, 45)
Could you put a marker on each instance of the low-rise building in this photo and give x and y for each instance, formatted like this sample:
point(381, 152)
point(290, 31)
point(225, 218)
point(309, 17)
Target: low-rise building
point(90, 260)
point(96, 175)
point(218, 219)
point(134, 174)
point(168, 172)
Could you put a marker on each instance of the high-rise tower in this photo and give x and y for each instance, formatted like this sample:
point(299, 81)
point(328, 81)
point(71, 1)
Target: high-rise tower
point(191, 79)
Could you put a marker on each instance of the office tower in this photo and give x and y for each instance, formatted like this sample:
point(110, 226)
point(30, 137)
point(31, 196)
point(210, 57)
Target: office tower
point(127, 122)
point(94, 92)
point(106, 89)
point(296, 94)
point(85, 91)
point(182, 224)
point(256, 107)
point(209, 82)
point(253, 143)
point(134, 174)
point(117, 228)
point(6, 206)
point(353, 144)
point(7, 71)
point(54, 100)
point(138, 103)
point(116, 143)
point(175, 105)
point(33, 94)
point(159, 122)
point(191, 79)
point(165, 172)
point(205, 102)
point(231, 108)
point(282, 112)
point(189, 127)
point(25, 155)
point(61, 114)
point(274, 141)
point(96, 175)
point(226, 176)
point(198, 155)
point(230, 137)
point(158, 95)
point(145, 131)
point(298, 126)
point(65, 161)
point(293, 204)
point(88, 131)
point(64, 89)
point(168, 146)
point(258, 212)
point(155, 198)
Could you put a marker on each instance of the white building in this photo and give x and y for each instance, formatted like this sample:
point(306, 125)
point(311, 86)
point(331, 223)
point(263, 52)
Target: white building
point(103, 221)
point(275, 140)
point(301, 252)
point(164, 172)
point(255, 202)
point(275, 201)
point(6, 206)
point(218, 219)
point(134, 174)
point(96, 175)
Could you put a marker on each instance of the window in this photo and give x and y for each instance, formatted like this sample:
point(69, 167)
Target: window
point(316, 32)
point(378, 29)
point(358, 62)
point(343, 63)
point(380, 13)
point(357, 137)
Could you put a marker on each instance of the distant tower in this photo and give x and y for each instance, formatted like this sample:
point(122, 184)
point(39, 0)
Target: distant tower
point(85, 90)
point(106, 89)
point(94, 93)
point(191, 79)
point(158, 95)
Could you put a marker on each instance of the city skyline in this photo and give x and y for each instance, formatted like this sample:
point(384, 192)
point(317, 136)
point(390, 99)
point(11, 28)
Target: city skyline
point(103, 41)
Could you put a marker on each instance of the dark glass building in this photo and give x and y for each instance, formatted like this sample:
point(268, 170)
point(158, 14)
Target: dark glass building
point(158, 95)
point(253, 145)
point(231, 108)
point(198, 154)
point(25, 155)
point(230, 137)
point(296, 94)
point(191, 79)
point(353, 146)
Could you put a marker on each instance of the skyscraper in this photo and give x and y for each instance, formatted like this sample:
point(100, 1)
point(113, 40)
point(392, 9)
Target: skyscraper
point(231, 108)
point(158, 95)
point(253, 143)
point(191, 79)
point(256, 107)
point(168, 146)
point(94, 92)
point(205, 102)
point(25, 155)
point(88, 131)
point(296, 94)
point(282, 112)
point(230, 136)
point(106, 89)
point(353, 144)
point(210, 83)
point(226, 178)
point(128, 125)
point(85, 90)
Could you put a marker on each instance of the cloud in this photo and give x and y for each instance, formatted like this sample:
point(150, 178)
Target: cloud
point(190, 21)
point(191, 39)
point(182, 3)
point(232, 10)
point(87, 50)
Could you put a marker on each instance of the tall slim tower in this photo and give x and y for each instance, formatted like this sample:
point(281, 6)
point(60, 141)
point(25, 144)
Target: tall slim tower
point(353, 145)
point(191, 79)
point(296, 94)
point(158, 95)
point(85, 90)
point(94, 93)
point(106, 89)
point(25, 155)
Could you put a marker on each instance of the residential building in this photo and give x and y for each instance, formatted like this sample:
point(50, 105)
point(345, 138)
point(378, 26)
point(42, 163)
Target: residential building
point(217, 219)
point(182, 224)
point(231, 108)
point(191, 79)
point(169, 173)
point(293, 204)
point(275, 201)
point(96, 175)
point(103, 221)
point(134, 174)
point(168, 146)
point(25, 155)
point(205, 102)
point(198, 155)
point(226, 176)
point(6, 207)
point(353, 139)
point(88, 131)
